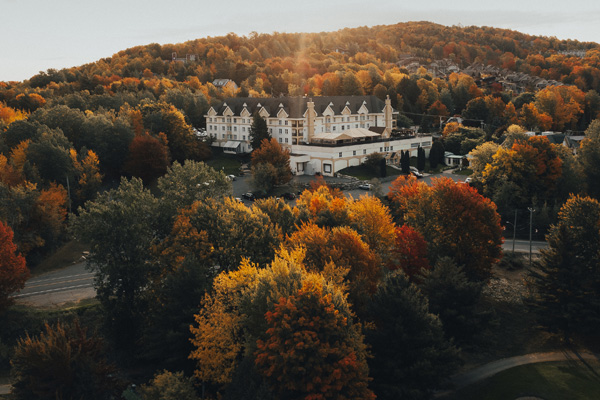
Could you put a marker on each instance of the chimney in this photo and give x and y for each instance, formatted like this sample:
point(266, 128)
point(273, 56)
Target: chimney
point(310, 119)
point(387, 114)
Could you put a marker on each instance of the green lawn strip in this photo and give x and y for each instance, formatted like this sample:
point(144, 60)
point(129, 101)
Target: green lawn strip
point(228, 163)
point(572, 380)
point(464, 171)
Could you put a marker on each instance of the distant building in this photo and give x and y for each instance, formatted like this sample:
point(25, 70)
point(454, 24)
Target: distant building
point(324, 134)
point(225, 84)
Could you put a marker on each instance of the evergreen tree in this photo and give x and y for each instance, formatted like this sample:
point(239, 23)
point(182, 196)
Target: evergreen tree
point(412, 357)
point(436, 154)
point(455, 299)
point(420, 159)
point(568, 280)
point(405, 162)
point(258, 131)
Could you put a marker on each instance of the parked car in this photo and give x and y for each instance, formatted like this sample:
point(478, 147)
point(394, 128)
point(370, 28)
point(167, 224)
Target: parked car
point(288, 196)
point(416, 174)
point(231, 177)
point(249, 196)
point(365, 186)
point(469, 180)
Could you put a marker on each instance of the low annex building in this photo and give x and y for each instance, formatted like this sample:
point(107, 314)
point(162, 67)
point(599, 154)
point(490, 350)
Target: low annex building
point(324, 134)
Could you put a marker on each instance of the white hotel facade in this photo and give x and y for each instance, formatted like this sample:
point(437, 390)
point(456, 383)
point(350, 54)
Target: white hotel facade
point(324, 134)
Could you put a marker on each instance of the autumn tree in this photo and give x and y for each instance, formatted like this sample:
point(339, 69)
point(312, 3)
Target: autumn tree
point(13, 271)
point(567, 283)
point(167, 385)
point(63, 363)
point(148, 157)
point(342, 254)
point(235, 231)
point(324, 206)
point(271, 152)
point(258, 131)
point(411, 355)
point(532, 167)
point(481, 156)
point(87, 172)
point(564, 104)
point(306, 328)
point(454, 220)
point(409, 253)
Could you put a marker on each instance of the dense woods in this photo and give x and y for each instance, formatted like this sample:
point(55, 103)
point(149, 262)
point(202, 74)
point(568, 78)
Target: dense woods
point(333, 298)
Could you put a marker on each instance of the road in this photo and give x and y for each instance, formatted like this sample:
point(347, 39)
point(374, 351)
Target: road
point(69, 284)
point(522, 246)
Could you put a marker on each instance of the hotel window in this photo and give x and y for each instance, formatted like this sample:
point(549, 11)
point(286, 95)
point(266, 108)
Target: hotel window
point(235, 137)
point(364, 151)
point(243, 129)
point(279, 130)
point(343, 127)
point(340, 154)
point(327, 168)
point(235, 128)
point(223, 128)
point(244, 137)
point(380, 149)
point(279, 140)
point(392, 148)
point(286, 140)
point(286, 131)
point(334, 127)
point(235, 120)
point(353, 152)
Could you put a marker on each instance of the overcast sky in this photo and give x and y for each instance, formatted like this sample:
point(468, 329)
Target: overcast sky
point(36, 35)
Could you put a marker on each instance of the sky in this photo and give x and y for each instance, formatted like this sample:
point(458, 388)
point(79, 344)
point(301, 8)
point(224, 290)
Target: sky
point(36, 35)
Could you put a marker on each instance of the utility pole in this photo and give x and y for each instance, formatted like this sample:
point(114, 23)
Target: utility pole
point(514, 230)
point(531, 211)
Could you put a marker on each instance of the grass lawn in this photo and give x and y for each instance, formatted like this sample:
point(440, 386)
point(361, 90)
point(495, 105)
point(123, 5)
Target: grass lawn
point(464, 171)
point(228, 163)
point(571, 380)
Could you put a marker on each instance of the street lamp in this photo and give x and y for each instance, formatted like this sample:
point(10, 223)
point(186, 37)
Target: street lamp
point(531, 211)
point(514, 230)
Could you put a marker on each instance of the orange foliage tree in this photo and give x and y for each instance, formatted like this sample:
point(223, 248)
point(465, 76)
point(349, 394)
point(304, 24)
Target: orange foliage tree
point(409, 253)
point(455, 221)
point(13, 271)
point(271, 152)
point(308, 351)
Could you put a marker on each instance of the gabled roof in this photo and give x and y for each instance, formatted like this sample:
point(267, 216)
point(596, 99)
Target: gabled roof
point(295, 107)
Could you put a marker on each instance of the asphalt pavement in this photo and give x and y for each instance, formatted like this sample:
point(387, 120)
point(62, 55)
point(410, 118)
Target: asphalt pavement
point(69, 284)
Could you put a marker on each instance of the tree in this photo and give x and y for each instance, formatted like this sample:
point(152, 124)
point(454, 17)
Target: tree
point(409, 253)
point(481, 156)
point(589, 158)
point(258, 131)
point(62, 363)
point(456, 300)
point(186, 183)
point(235, 231)
point(420, 159)
point(436, 154)
point(568, 281)
point(534, 166)
point(168, 386)
point(183, 144)
point(411, 355)
point(454, 220)
point(13, 271)
point(148, 157)
point(309, 349)
point(271, 152)
point(119, 227)
point(405, 162)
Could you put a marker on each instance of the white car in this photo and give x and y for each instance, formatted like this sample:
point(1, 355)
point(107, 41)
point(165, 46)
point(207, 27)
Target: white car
point(365, 186)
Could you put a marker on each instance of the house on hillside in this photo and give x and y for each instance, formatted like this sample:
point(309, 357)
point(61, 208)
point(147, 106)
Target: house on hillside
point(324, 134)
point(222, 84)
